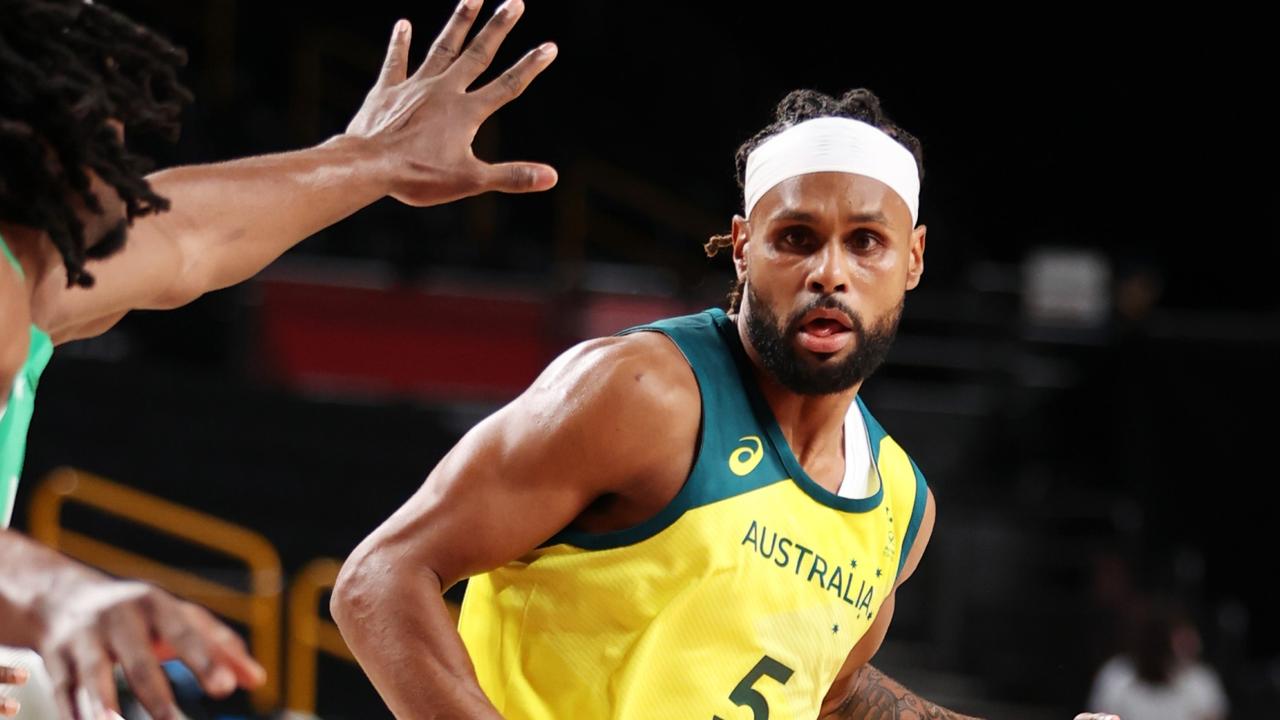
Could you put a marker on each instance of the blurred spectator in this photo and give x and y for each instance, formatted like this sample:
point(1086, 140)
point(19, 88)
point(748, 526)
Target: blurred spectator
point(1161, 676)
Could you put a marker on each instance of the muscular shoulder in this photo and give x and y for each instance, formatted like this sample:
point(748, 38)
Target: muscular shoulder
point(640, 379)
point(628, 402)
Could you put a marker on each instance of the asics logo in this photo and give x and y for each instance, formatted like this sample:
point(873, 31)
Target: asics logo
point(745, 459)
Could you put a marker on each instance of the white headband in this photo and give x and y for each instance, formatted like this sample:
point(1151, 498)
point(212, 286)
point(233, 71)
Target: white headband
point(833, 144)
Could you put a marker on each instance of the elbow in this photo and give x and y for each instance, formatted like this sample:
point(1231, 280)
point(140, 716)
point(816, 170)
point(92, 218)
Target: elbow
point(184, 288)
point(360, 589)
point(374, 584)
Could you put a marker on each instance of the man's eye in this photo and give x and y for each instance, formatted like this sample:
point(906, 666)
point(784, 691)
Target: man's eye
point(795, 238)
point(865, 240)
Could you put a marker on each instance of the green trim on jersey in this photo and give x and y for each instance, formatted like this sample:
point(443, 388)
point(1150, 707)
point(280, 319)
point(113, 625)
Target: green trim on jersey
point(722, 397)
point(734, 412)
point(15, 416)
point(917, 515)
point(12, 260)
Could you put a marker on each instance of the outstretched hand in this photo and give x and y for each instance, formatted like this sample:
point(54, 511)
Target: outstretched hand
point(423, 123)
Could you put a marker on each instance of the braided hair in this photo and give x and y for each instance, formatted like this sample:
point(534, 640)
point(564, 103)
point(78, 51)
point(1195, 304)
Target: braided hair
point(72, 71)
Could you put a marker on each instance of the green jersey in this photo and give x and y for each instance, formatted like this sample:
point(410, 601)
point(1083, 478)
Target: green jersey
point(16, 409)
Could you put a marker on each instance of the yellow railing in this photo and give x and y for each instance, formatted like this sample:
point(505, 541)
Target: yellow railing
point(258, 609)
point(309, 632)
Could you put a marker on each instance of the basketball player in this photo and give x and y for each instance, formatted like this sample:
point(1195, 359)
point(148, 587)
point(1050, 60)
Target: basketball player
point(698, 518)
point(74, 79)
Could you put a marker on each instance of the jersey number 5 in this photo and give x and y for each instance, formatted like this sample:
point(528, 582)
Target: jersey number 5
point(745, 694)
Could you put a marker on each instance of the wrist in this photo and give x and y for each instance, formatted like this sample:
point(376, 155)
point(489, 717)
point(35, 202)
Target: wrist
point(368, 163)
point(37, 576)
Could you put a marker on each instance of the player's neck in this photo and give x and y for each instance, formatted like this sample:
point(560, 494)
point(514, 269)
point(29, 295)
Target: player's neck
point(812, 424)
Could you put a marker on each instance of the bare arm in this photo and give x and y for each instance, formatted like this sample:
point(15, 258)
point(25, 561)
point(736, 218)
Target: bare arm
point(411, 140)
point(607, 417)
point(878, 697)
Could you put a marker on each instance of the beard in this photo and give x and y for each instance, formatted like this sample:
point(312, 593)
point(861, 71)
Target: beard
point(794, 367)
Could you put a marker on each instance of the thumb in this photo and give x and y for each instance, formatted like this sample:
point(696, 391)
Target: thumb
point(520, 177)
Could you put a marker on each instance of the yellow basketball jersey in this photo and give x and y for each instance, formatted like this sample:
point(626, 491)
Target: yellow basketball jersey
point(740, 600)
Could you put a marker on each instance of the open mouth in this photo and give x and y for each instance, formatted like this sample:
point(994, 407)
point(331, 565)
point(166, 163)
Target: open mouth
point(825, 332)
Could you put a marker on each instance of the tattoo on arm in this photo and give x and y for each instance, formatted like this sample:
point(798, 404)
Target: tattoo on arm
point(877, 697)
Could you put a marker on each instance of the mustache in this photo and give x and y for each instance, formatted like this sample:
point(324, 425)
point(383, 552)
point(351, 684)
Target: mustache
point(826, 302)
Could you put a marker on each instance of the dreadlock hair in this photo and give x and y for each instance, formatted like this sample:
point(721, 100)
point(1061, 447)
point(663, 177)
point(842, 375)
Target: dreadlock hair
point(797, 107)
point(69, 69)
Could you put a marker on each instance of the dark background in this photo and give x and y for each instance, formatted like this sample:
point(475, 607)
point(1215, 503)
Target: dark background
point(1076, 464)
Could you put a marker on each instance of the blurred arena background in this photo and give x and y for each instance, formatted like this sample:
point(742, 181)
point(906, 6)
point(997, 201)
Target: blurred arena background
point(1086, 375)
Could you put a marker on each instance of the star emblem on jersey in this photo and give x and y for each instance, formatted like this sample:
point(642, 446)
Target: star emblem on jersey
point(744, 459)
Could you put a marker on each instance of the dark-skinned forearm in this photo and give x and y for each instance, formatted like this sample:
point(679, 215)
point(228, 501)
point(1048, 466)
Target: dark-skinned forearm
point(396, 624)
point(878, 697)
point(231, 219)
